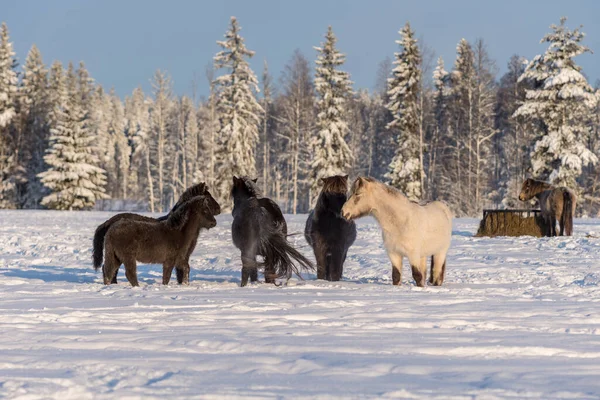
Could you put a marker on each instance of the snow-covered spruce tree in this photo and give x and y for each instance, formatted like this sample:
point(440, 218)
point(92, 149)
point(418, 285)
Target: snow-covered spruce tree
point(331, 153)
point(73, 178)
point(34, 128)
point(405, 172)
point(238, 110)
point(9, 177)
point(561, 103)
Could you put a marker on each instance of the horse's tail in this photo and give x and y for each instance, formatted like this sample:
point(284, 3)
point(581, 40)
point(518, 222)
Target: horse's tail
point(281, 259)
point(567, 213)
point(98, 248)
point(98, 242)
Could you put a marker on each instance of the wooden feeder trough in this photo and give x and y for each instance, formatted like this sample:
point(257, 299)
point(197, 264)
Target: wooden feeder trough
point(511, 223)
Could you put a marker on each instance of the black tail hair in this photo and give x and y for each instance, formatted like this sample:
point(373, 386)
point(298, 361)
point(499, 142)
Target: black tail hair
point(98, 243)
point(280, 258)
point(567, 213)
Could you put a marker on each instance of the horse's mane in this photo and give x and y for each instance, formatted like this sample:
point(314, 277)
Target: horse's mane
point(335, 184)
point(192, 191)
point(251, 187)
point(389, 189)
point(178, 218)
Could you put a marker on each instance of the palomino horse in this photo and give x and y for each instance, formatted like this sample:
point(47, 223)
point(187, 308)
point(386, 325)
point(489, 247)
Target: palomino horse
point(556, 204)
point(409, 229)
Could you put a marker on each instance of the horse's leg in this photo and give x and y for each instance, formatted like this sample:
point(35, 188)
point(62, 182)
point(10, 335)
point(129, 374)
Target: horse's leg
point(396, 260)
point(249, 267)
point(561, 225)
point(431, 270)
point(131, 272)
point(167, 272)
point(547, 221)
point(419, 269)
point(438, 268)
point(114, 279)
point(110, 268)
point(553, 224)
point(183, 273)
point(321, 256)
point(336, 265)
point(270, 273)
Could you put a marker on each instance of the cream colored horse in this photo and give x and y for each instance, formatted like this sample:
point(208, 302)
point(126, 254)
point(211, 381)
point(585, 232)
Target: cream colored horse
point(409, 229)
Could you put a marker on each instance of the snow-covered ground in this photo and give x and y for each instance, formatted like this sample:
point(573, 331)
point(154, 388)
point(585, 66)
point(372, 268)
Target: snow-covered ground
point(516, 318)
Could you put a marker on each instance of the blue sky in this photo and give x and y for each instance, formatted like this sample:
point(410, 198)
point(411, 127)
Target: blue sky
point(124, 42)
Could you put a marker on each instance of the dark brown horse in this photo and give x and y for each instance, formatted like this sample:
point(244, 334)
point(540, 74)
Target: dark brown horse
point(169, 242)
point(556, 204)
point(100, 233)
point(327, 232)
point(259, 228)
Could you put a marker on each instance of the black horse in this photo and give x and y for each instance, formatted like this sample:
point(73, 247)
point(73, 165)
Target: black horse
point(259, 228)
point(328, 233)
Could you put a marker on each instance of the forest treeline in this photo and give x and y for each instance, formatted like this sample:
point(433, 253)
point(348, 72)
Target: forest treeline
point(455, 131)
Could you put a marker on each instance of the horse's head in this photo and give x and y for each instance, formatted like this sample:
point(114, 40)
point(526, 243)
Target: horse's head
point(361, 199)
point(337, 184)
point(206, 212)
point(212, 204)
point(527, 190)
point(199, 208)
point(244, 187)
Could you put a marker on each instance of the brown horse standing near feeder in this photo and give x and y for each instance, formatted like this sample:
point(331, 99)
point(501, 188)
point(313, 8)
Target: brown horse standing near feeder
point(556, 204)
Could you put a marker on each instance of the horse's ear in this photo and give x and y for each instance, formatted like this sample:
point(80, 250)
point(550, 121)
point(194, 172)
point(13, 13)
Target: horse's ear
point(345, 177)
point(255, 180)
point(235, 179)
point(323, 180)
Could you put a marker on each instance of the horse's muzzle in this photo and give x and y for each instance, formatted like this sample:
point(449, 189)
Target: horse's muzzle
point(346, 215)
point(521, 197)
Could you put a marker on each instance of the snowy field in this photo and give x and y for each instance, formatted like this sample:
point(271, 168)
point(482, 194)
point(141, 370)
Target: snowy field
point(516, 318)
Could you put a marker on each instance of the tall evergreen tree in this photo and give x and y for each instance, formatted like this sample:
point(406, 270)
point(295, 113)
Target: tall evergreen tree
point(405, 171)
point(34, 127)
point(73, 178)
point(561, 104)
point(10, 172)
point(331, 153)
point(238, 110)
